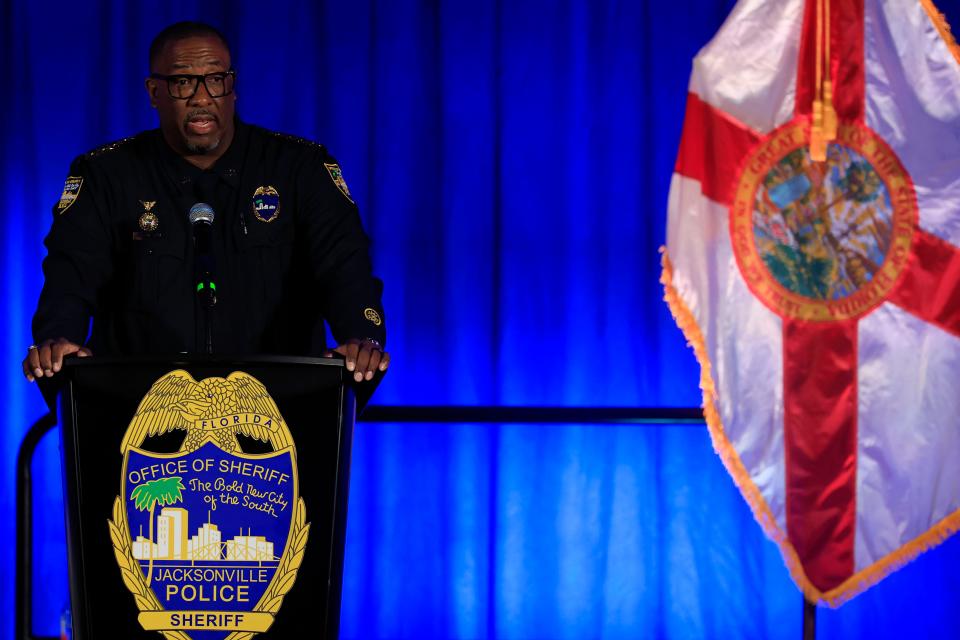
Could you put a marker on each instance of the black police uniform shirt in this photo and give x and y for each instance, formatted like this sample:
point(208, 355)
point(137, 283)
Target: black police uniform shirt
point(288, 246)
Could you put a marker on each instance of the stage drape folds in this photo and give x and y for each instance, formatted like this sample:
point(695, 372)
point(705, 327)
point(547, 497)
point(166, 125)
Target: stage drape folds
point(511, 161)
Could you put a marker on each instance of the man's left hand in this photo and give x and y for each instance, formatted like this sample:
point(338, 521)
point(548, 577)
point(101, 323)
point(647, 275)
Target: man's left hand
point(364, 358)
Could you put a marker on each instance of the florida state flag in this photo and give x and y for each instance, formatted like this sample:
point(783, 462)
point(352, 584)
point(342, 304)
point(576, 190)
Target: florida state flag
point(813, 262)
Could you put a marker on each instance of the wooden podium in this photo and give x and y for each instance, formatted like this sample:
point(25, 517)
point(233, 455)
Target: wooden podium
point(206, 497)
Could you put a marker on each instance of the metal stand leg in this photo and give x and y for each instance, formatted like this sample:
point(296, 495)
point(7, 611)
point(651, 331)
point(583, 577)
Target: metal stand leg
point(24, 570)
point(809, 620)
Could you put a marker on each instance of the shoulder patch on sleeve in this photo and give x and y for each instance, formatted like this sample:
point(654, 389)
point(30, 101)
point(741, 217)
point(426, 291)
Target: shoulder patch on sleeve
point(337, 176)
point(71, 189)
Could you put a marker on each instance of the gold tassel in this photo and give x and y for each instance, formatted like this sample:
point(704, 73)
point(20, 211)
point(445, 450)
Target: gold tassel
point(818, 140)
point(829, 113)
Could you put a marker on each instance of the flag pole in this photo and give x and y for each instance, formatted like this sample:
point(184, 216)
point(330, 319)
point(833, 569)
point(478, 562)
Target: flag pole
point(809, 620)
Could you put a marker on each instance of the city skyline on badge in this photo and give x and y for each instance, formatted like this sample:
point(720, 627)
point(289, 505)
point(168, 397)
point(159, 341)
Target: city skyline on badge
point(209, 538)
point(266, 204)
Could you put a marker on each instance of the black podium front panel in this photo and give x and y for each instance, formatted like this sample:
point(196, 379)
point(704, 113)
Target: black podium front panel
point(206, 498)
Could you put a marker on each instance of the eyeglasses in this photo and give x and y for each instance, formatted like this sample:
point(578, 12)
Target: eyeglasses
point(184, 87)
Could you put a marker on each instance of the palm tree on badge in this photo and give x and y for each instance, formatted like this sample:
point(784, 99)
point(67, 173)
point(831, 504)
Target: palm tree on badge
point(146, 496)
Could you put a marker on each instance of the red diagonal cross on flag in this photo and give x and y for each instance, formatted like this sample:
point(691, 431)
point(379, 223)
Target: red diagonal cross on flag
point(813, 261)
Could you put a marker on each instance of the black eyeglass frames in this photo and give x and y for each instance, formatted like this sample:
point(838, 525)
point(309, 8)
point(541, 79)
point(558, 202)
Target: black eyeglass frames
point(185, 86)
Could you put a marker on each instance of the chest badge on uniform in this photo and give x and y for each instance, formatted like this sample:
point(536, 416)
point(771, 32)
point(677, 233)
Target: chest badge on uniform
point(71, 189)
point(266, 204)
point(337, 176)
point(148, 219)
point(372, 316)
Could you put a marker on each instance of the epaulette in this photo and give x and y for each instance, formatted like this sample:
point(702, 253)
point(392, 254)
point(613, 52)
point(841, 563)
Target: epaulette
point(110, 146)
point(298, 140)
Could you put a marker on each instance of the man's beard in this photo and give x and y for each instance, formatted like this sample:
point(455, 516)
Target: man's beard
point(198, 147)
point(201, 149)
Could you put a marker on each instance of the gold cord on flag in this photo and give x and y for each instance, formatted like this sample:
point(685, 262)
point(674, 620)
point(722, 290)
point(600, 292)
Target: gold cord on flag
point(824, 126)
point(829, 113)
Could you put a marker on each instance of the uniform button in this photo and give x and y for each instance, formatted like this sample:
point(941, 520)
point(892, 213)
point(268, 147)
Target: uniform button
point(149, 252)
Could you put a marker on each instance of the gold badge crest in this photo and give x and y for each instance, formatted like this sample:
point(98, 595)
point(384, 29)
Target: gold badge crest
point(148, 220)
point(71, 189)
point(266, 204)
point(209, 538)
point(372, 315)
point(337, 176)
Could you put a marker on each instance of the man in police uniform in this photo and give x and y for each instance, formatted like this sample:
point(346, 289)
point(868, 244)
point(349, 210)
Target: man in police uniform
point(286, 240)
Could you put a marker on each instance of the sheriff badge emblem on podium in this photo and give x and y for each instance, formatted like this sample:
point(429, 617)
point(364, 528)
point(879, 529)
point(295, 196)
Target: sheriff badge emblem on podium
point(209, 539)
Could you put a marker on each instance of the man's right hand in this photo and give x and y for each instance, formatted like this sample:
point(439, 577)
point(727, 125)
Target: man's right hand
point(46, 358)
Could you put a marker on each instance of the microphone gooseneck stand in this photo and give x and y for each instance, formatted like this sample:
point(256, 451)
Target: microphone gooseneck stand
point(208, 300)
point(201, 220)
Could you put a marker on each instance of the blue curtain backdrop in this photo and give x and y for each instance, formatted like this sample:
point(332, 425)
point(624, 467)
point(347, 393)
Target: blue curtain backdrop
point(512, 162)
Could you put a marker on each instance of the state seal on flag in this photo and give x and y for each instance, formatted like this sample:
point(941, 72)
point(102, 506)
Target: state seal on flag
point(209, 539)
point(827, 240)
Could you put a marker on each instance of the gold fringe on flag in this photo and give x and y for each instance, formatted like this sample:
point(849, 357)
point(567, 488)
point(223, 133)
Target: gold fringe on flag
point(718, 436)
point(940, 22)
point(855, 584)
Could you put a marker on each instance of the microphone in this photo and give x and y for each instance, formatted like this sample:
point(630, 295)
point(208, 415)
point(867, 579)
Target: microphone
point(201, 220)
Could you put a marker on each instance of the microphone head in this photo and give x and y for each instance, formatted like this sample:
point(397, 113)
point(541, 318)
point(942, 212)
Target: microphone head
point(201, 212)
